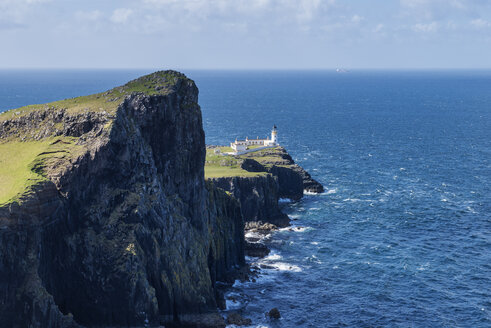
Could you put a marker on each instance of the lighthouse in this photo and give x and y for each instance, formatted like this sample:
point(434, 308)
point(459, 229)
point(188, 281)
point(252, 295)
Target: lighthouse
point(274, 135)
point(257, 144)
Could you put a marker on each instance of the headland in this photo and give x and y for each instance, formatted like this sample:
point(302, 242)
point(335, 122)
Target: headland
point(110, 217)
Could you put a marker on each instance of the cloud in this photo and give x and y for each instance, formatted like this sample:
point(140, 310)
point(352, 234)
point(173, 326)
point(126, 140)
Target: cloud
point(480, 23)
point(13, 12)
point(293, 11)
point(121, 15)
point(379, 28)
point(431, 9)
point(356, 19)
point(91, 16)
point(425, 28)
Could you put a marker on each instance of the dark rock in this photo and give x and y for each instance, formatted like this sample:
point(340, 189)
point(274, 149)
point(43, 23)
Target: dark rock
point(266, 266)
point(256, 249)
point(252, 166)
point(258, 197)
point(292, 178)
point(260, 227)
point(235, 318)
point(274, 313)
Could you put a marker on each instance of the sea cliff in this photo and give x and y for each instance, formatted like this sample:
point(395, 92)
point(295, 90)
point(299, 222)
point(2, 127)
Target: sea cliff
point(114, 225)
point(109, 216)
point(258, 180)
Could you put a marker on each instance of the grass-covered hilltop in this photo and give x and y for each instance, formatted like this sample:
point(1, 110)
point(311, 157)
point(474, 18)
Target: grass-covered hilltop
point(35, 135)
point(158, 83)
point(109, 217)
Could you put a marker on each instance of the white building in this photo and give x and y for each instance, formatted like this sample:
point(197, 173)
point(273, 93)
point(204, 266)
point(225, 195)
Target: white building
point(242, 145)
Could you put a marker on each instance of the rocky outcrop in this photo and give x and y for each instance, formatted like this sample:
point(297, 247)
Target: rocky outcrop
point(258, 197)
point(259, 194)
point(293, 179)
point(125, 232)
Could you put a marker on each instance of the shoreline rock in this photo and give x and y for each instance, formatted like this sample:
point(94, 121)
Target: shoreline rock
point(235, 318)
point(274, 313)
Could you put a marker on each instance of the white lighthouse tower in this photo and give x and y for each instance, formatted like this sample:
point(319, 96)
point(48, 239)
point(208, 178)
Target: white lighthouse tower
point(274, 135)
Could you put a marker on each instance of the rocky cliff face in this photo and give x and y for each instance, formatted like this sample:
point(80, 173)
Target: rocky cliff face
point(258, 197)
point(124, 231)
point(293, 179)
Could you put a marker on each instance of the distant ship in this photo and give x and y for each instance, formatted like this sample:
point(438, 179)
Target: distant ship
point(341, 70)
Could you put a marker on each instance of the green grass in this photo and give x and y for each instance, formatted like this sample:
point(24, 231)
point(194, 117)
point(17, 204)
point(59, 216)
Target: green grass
point(226, 149)
point(158, 83)
point(223, 171)
point(218, 166)
point(16, 173)
point(263, 156)
point(23, 164)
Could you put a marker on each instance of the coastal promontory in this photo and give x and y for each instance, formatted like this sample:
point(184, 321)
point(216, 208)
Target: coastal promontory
point(105, 216)
point(113, 212)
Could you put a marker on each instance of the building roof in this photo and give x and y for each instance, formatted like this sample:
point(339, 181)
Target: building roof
point(251, 140)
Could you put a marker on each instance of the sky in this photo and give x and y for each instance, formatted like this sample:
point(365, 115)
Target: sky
point(246, 34)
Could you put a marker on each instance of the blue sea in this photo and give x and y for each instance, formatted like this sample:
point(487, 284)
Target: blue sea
point(402, 235)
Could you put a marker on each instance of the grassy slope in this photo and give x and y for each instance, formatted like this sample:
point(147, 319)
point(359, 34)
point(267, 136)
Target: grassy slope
point(159, 83)
point(22, 164)
point(226, 166)
point(15, 170)
point(264, 156)
point(218, 166)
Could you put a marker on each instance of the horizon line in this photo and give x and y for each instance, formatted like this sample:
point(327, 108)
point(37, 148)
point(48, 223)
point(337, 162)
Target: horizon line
point(345, 69)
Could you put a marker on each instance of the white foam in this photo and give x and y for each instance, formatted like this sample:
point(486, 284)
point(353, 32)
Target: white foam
point(284, 200)
point(273, 257)
point(295, 229)
point(313, 259)
point(252, 234)
point(282, 266)
point(331, 191)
